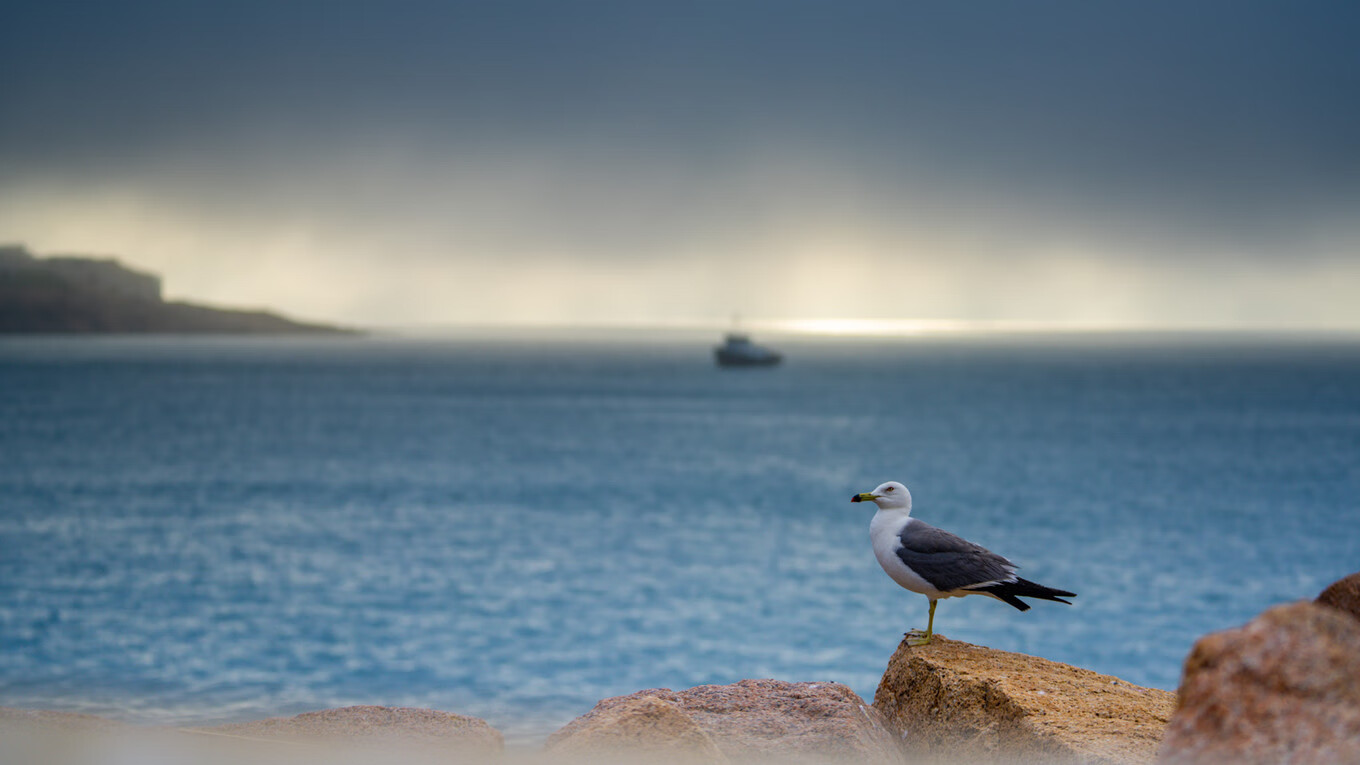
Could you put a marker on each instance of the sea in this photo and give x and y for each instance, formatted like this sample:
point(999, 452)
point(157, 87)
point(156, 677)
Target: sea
point(200, 530)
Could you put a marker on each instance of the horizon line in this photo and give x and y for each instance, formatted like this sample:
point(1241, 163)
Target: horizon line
point(869, 328)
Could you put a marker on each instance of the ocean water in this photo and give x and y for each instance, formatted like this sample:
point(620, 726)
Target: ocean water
point(201, 530)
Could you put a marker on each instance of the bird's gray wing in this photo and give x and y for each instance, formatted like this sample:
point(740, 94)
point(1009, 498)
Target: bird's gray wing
point(947, 561)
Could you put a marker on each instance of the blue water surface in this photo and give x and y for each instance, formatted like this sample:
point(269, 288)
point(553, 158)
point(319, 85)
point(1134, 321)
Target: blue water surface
point(199, 530)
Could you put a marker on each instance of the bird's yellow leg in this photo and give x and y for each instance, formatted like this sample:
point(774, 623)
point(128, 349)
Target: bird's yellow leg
point(916, 637)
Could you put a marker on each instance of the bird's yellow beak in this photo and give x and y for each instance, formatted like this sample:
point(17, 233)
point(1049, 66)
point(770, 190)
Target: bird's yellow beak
point(867, 496)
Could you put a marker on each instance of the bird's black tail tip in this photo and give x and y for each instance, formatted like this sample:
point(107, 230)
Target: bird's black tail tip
point(1011, 592)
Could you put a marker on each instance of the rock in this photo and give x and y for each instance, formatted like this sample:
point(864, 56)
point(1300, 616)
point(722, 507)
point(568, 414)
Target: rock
point(954, 701)
point(1283, 688)
point(44, 736)
point(370, 726)
point(1343, 594)
point(640, 727)
point(44, 719)
point(353, 735)
point(748, 721)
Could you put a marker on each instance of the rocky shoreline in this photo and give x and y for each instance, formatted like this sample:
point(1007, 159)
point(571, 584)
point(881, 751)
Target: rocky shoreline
point(1283, 688)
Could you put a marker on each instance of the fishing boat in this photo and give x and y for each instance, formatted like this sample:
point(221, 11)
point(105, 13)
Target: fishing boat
point(737, 350)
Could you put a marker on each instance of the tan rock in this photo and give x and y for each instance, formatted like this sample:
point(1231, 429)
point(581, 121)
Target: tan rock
point(372, 726)
point(954, 701)
point(748, 721)
point(1283, 688)
point(1343, 594)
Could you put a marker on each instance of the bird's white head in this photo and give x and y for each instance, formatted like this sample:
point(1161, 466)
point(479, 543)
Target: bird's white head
point(889, 496)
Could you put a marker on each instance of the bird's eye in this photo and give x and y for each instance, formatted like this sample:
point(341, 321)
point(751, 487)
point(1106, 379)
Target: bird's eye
point(889, 489)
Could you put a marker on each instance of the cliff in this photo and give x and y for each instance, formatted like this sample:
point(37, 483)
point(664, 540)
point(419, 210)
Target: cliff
point(93, 295)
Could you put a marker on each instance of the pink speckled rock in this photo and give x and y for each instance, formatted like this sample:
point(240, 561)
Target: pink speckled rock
point(1344, 595)
point(370, 725)
point(1283, 688)
point(747, 721)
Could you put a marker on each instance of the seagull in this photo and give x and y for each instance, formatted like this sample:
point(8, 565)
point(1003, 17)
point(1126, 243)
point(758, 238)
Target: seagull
point(939, 564)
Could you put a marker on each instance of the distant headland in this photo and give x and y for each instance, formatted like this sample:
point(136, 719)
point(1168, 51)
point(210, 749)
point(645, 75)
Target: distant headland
point(78, 294)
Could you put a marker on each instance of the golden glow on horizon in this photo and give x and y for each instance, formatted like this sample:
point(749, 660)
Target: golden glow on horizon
point(909, 327)
point(871, 326)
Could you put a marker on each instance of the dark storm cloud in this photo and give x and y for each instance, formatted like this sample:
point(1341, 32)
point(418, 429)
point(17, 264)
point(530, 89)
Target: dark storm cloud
point(1052, 91)
point(1176, 127)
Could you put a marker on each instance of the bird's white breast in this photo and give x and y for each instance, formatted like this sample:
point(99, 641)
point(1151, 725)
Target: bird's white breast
point(883, 533)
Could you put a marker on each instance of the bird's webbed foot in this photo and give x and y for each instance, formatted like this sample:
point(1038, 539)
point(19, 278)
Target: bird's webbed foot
point(917, 637)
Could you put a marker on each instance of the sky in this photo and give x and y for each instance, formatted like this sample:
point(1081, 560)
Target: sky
point(1178, 164)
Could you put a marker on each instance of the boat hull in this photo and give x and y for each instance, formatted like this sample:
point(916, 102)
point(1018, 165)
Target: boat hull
point(726, 358)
